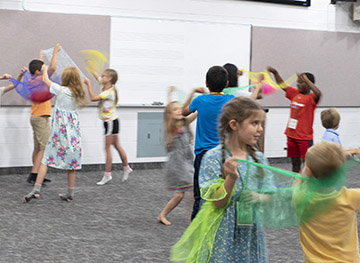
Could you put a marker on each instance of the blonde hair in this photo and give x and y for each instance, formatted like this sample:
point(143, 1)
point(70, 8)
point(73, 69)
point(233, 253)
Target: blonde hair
point(324, 159)
point(238, 109)
point(114, 78)
point(170, 125)
point(330, 118)
point(71, 78)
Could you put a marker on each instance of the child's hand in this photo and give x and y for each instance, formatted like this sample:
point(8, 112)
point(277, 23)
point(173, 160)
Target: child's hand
point(249, 197)
point(87, 82)
point(200, 90)
point(231, 168)
point(171, 89)
point(23, 70)
point(272, 70)
point(44, 68)
point(57, 48)
point(261, 78)
point(240, 73)
point(6, 76)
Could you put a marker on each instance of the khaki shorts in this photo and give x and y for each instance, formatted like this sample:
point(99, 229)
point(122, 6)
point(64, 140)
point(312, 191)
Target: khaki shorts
point(41, 129)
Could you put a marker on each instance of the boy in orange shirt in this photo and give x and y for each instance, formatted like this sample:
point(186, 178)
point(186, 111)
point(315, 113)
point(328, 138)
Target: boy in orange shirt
point(331, 235)
point(40, 113)
point(299, 129)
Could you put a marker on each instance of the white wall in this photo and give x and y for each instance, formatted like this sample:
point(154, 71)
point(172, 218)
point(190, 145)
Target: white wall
point(15, 130)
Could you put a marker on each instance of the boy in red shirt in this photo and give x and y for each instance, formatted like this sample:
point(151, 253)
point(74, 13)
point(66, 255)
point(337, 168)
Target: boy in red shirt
point(299, 130)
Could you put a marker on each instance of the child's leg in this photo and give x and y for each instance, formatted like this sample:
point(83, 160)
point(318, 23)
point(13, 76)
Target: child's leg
point(108, 164)
point(35, 193)
point(123, 157)
point(71, 184)
point(177, 198)
point(296, 164)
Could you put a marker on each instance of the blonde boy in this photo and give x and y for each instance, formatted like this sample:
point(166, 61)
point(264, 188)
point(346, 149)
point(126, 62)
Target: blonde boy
point(331, 235)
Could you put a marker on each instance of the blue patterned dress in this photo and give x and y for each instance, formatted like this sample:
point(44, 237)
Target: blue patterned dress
point(233, 243)
point(63, 150)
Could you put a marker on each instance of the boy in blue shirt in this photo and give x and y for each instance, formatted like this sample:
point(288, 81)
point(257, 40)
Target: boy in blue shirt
point(330, 120)
point(209, 108)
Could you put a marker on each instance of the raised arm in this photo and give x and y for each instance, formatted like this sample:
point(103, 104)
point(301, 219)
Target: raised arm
point(314, 89)
point(186, 111)
point(52, 65)
point(45, 76)
point(277, 76)
point(257, 94)
point(92, 95)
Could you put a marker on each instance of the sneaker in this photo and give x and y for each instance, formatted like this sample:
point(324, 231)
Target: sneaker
point(104, 180)
point(126, 174)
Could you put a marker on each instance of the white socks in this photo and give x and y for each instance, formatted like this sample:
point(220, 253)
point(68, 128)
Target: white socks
point(106, 178)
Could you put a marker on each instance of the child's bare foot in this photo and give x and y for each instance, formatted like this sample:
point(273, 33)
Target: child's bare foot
point(163, 220)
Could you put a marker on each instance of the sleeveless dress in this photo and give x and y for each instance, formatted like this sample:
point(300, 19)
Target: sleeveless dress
point(179, 168)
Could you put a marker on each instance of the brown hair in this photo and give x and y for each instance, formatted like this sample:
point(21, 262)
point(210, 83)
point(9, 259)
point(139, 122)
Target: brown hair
point(324, 158)
point(170, 125)
point(71, 78)
point(114, 78)
point(330, 118)
point(238, 109)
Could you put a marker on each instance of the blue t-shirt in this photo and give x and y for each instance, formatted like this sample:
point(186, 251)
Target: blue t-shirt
point(209, 109)
point(331, 135)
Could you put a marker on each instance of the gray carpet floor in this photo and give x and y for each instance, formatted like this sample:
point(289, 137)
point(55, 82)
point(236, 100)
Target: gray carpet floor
point(111, 223)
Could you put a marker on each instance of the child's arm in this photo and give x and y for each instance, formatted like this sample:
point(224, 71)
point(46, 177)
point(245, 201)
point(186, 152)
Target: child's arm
point(19, 77)
point(257, 94)
point(5, 76)
point(92, 95)
point(278, 78)
point(95, 74)
point(231, 175)
point(45, 76)
point(314, 89)
point(52, 66)
point(186, 111)
point(190, 118)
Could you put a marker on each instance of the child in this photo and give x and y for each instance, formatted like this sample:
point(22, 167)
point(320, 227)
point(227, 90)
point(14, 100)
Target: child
point(330, 120)
point(107, 110)
point(63, 150)
point(179, 168)
point(208, 108)
point(331, 235)
point(299, 129)
point(234, 75)
point(240, 128)
point(39, 120)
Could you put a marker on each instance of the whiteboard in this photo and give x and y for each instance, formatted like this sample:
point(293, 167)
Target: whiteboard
point(150, 55)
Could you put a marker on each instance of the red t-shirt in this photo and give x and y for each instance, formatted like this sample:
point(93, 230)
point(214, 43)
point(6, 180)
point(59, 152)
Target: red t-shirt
point(302, 107)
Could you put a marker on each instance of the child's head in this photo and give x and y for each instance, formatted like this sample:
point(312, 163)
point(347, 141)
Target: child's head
point(35, 66)
point(330, 118)
point(324, 159)
point(232, 70)
point(173, 119)
point(216, 79)
point(109, 76)
point(302, 86)
point(173, 111)
point(71, 78)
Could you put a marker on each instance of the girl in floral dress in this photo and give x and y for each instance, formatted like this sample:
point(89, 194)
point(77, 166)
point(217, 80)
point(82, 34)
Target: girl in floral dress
point(63, 150)
point(217, 234)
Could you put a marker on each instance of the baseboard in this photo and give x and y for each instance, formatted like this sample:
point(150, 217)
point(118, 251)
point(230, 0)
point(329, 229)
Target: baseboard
point(85, 168)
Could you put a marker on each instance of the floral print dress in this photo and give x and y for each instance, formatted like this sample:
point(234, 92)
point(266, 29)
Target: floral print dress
point(63, 150)
point(236, 243)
